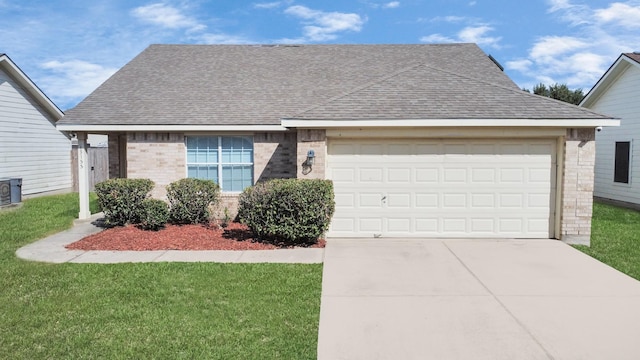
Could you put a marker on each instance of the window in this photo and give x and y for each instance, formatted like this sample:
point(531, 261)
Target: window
point(227, 160)
point(621, 167)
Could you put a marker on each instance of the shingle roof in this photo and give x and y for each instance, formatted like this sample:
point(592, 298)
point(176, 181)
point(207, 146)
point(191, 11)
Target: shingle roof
point(260, 85)
point(424, 92)
point(634, 56)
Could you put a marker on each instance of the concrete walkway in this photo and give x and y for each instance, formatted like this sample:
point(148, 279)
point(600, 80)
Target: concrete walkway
point(52, 249)
point(474, 299)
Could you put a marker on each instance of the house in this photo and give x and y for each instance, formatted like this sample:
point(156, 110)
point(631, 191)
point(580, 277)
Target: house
point(31, 148)
point(617, 170)
point(419, 140)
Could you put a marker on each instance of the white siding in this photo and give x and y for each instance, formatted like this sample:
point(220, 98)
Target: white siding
point(30, 146)
point(622, 100)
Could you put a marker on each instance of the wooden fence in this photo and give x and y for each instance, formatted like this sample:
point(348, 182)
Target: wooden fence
point(98, 166)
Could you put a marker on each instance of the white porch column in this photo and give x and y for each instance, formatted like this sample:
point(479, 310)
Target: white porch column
point(83, 176)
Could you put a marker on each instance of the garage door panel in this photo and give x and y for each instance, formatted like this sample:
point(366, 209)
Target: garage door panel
point(455, 225)
point(483, 225)
point(455, 188)
point(455, 175)
point(398, 175)
point(341, 174)
point(427, 200)
point(483, 201)
point(345, 200)
point(370, 200)
point(371, 225)
point(370, 175)
point(452, 200)
point(427, 175)
point(483, 175)
point(399, 200)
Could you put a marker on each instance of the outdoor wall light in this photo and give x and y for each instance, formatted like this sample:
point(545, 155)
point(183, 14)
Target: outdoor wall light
point(311, 155)
point(307, 165)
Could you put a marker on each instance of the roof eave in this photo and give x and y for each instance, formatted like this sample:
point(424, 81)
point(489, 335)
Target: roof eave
point(621, 63)
point(166, 128)
point(563, 123)
point(18, 75)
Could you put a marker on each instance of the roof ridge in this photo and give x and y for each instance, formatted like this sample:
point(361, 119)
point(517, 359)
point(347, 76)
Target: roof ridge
point(356, 89)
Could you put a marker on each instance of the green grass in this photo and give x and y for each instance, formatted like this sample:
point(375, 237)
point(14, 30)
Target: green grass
point(156, 310)
point(615, 238)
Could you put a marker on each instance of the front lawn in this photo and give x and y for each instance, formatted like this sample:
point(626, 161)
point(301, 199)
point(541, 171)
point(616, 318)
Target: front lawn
point(155, 310)
point(615, 238)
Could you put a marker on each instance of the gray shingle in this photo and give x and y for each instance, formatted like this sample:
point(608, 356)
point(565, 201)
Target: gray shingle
point(260, 85)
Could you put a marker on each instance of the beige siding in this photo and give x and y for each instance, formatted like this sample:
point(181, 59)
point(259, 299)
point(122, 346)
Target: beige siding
point(30, 146)
point(622, 100)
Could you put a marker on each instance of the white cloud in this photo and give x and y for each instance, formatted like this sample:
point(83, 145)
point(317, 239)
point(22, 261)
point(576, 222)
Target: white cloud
point(391, 5)
point(73, 79)
point(551, 46)
point(436, 39)
point(449, 19)
point(558, 5)
point(595, 39)
point(166, 16)
point(470, 34)
point(322, 26)
point(223, 39)
point(271, 5)
point(478, 35)
point(622, 14)
point(522, 65)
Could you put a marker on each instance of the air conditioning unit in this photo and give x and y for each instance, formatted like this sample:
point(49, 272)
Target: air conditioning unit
point(5, 192)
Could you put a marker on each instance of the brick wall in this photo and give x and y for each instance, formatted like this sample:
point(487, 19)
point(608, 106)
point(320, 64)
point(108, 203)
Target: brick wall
point(114, 155)
point(156, 156)
point(274, 155)
point(577, 194)
point(315, 140)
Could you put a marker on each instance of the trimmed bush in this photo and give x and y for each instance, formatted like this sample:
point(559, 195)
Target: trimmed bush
point(121, 199)
point(154, 214)
point(190, 199)
point(293, 211)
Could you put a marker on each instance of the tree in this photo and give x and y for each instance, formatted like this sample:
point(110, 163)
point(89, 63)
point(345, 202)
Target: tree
point(559, 92)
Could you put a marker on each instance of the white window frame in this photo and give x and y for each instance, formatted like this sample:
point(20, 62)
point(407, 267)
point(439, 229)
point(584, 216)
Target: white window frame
point(219, 164)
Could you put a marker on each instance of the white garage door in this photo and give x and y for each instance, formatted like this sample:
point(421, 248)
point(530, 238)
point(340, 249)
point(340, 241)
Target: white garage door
point(442, 188)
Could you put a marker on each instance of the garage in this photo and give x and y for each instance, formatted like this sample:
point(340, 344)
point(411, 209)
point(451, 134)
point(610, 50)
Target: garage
point(480, 188)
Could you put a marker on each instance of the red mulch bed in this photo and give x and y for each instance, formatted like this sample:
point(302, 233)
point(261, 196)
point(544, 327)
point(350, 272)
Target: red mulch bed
point(177, 237)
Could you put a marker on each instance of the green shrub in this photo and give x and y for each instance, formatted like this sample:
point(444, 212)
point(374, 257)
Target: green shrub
point(154, 214)
point(121, 199)
point(190, 200)
point(293, 211)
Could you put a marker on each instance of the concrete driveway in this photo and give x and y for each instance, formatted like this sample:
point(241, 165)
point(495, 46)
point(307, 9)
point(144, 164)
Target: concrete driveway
point(474, 299)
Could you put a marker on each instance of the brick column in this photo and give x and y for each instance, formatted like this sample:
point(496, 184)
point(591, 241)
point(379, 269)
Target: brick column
point(315, 140)
point(578, 178)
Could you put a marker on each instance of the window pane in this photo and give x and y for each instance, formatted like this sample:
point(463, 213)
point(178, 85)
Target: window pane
point(621, 167)
point(236, 177)
point(236, 149)
point(202, 149)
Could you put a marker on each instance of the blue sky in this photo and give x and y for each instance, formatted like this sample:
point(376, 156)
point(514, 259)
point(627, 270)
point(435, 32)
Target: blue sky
point(69, 47)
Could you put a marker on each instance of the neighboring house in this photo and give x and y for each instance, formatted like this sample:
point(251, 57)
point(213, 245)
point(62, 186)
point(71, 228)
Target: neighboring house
point(419, 140)
point(617, 93)
point(31, 148)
